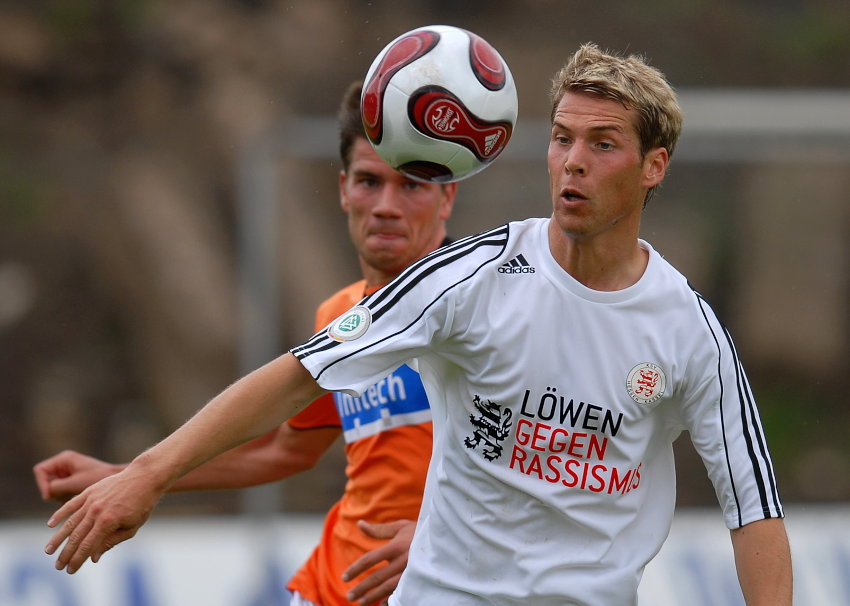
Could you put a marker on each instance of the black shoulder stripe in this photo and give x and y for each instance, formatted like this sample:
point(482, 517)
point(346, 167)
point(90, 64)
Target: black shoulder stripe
point(308, 343)
point(435, 262)
point(425, 308)
point(371, 301)
point(747, 430)
point(382, 300)
point(320, 342)
point(751, 422)
point(752, 432)
point(422, 267)
point(702, 305)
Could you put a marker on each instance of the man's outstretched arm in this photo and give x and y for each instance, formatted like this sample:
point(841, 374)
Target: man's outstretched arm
point(278, 454)
point(113, 509)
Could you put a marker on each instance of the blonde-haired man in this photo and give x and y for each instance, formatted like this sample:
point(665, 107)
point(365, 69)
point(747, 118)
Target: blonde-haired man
point(556, 391)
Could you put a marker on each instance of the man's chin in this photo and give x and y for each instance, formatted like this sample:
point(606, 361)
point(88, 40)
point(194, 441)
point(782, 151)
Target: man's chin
point(386, 248)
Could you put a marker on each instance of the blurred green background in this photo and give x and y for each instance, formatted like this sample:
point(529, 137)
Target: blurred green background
point(130, 131)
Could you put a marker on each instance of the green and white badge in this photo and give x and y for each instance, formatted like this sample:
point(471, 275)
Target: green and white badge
point(351, 325)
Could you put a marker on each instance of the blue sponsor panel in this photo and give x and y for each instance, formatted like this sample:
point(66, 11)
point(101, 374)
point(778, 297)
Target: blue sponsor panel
point(398, 399)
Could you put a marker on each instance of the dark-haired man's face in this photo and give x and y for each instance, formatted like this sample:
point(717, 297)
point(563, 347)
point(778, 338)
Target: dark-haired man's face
point(392, 220)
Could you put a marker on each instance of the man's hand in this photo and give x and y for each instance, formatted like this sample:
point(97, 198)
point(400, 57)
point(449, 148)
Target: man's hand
point(105, 514)
point(381, 583)
point(68, 473)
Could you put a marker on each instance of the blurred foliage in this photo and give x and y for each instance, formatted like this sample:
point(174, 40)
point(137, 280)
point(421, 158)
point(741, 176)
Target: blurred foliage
point(23, 199)
point(120, 123)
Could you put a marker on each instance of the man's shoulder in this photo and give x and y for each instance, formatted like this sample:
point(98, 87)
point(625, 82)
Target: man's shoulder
point(464, 261)
point(341, 300)
point(492, 243)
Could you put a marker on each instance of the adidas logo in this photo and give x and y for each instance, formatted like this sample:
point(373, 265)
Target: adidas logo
point(490, 142)
point(517, 265)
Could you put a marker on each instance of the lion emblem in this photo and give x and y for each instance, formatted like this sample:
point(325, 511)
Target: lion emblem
point(490, 428)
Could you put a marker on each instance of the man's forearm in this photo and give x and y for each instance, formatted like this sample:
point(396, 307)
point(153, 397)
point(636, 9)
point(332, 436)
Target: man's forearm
point(763, 561)
point(276, 455)
point(252, 406)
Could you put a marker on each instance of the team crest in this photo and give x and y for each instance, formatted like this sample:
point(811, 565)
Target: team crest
point(646, 383)
point(490, 428)
point(351, 325)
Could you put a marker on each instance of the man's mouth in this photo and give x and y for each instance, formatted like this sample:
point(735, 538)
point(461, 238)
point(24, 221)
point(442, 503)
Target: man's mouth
point(572, 195)
point(385, 235)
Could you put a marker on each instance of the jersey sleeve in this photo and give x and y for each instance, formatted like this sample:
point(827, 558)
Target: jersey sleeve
point(721, 415)
point(402, 321)
point(321, 413)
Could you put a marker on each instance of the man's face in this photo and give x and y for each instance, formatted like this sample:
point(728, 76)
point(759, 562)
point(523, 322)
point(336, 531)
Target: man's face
point(392, 220)
point(597, 176)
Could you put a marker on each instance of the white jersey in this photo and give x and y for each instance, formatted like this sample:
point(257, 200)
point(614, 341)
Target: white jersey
point(554, 409)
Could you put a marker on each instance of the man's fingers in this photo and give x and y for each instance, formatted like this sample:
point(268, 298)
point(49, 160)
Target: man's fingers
point(63, 512)
point(380, 583)
point(110, 511)
point(385, 552)
point(394, 552)
point(116, 537)
point(364, 563)
point(383, 590)
point(42, 480)
point(91, 539)
point(62, 489)
point(57, 466)
point(79, 533)
point(78, 540)
point(373, 580)
point(66, 511)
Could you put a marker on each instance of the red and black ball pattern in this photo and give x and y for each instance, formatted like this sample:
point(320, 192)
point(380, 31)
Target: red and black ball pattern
point(404, 52)
point(439, 103)
point(486, 63)
point(436, 112)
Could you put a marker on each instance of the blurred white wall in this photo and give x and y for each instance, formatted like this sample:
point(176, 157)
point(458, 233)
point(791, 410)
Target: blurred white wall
point(246, 562)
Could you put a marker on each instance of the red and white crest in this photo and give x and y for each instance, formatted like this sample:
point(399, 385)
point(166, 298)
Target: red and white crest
point(646, 383)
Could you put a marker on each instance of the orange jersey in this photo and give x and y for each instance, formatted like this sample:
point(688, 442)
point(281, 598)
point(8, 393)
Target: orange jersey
point(387, 445)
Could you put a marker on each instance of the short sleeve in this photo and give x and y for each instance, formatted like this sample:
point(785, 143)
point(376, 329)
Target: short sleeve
point(321, 413)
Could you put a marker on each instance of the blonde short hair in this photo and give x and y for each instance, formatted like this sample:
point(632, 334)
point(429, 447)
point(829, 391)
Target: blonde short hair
point(632, 82)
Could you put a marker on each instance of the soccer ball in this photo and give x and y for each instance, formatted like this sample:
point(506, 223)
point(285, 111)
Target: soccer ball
point(439, 104)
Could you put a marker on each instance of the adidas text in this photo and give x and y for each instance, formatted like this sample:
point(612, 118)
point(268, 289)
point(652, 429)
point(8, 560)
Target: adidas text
point(517, 265)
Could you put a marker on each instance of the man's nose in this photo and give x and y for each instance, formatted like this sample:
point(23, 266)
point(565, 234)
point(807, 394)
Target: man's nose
point(387, 203)
point(575, 161)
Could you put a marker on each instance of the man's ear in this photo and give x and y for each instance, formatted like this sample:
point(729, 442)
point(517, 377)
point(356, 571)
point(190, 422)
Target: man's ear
point(449, 193)
point(343, 198)
point(655, 167)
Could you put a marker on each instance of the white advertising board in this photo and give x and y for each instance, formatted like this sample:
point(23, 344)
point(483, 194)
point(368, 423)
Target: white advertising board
point(242, 562)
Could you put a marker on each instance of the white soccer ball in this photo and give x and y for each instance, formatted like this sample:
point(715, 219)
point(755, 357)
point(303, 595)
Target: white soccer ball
point(439, 104)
